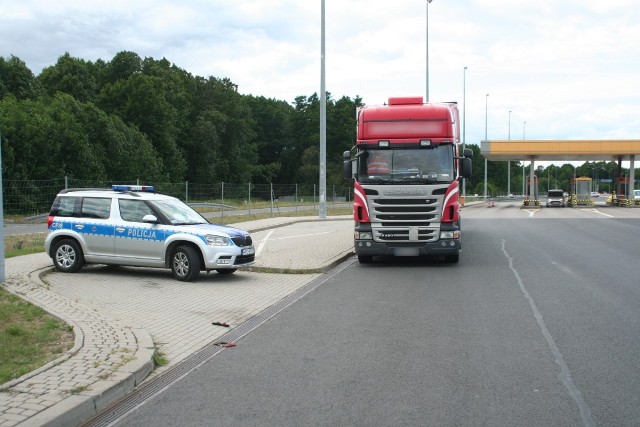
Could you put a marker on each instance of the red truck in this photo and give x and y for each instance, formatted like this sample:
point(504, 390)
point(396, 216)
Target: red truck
point(406, 170)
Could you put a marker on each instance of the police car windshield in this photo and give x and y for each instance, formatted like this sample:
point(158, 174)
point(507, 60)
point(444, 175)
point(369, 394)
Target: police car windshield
point(178, 213)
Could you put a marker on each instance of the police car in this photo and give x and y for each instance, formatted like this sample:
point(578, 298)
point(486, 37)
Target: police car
point(133, 225)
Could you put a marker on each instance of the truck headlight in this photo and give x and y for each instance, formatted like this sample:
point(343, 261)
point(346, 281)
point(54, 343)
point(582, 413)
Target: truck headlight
point(363, 235)
point(217, 240)
point(450, 234)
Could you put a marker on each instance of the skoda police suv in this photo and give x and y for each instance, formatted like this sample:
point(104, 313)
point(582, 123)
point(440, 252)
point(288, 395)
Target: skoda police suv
point(133, 225)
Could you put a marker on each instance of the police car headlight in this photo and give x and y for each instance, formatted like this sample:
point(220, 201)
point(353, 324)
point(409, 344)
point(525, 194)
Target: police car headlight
point(217, 240)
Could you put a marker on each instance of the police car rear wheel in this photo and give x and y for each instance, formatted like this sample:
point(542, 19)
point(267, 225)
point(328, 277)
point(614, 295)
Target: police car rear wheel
point(67, 256)
point(185, 263)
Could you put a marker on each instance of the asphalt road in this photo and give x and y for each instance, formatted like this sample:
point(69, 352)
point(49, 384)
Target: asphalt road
point(537, 325)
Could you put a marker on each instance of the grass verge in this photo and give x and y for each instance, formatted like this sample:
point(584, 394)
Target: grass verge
point(29, 337)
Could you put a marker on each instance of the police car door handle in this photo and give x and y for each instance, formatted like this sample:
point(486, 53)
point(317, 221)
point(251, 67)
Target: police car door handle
point(120, 229)
point(79, 226)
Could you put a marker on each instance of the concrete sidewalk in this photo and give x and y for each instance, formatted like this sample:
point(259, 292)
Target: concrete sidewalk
point(121, 316)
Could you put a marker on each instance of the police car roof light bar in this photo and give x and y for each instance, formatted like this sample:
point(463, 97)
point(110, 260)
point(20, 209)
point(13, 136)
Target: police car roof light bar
point(146, 188)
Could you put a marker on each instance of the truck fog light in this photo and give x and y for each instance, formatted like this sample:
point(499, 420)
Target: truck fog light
point(452, 243)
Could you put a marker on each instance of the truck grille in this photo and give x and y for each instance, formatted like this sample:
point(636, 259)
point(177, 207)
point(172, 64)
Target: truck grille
point(405, 219)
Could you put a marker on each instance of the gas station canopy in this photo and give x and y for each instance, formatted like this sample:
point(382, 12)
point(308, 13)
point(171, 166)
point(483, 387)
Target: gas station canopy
point(556, 150)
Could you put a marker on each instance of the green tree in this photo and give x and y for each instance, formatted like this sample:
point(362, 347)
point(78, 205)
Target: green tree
point(17, 79)
point(143, 101)
point(72, 76)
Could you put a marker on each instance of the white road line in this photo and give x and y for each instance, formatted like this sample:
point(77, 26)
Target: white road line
point(263, 242)
point(531, 212)
point(301, 235)
point(598, 212)
point(565, 373)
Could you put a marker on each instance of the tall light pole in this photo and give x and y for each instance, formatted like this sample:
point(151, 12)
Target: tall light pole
point(524, 127)
point(486, 121)
point(323, 123)
point(427, 74)
point(509, 161)
point(464, 122)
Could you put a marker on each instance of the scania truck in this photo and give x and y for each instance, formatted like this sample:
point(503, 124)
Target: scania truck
point(407, 172)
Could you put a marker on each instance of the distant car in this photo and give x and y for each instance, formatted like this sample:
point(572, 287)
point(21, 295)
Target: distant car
point(133, 225)
point(636, 194)
point(595, 194)
point(556, 198)
point(511, 196)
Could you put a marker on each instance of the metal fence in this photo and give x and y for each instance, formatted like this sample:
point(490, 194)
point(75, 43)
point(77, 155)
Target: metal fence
point(32, 198)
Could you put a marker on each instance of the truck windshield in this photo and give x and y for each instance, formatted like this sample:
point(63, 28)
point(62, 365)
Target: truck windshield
point(407, 165)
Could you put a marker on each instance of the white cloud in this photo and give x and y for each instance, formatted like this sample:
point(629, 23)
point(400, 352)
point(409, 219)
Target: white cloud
point(566, 68)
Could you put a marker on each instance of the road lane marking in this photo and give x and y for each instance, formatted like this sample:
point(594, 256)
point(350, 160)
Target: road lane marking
point(598, 212)
point(263, 242)
point(301, 235)
point(565, 374)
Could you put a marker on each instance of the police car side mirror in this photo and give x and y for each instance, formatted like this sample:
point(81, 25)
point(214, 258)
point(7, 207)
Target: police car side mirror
point(151, 219)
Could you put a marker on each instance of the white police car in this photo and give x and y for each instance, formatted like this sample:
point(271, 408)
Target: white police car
point(133, 225)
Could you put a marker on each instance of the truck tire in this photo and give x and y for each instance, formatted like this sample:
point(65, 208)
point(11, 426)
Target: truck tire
point(68, 256)
point(185, 264)
point(365, 259)
point(452, 259)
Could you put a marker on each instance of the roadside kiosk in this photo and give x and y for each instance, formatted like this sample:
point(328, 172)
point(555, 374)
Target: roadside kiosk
point(582, 192)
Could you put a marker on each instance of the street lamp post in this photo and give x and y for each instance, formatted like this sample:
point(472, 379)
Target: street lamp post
point(464, 122)
point(427, 51)
point(509, 161)
point(486, 121)
point(323, 123)
point(523, 174)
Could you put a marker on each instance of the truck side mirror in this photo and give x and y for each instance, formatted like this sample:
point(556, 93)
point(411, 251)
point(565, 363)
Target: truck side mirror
point(347, 165)
point(465, 167)
point(468, 152)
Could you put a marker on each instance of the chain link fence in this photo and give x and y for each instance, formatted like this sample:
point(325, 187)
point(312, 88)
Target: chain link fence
point(31, 198)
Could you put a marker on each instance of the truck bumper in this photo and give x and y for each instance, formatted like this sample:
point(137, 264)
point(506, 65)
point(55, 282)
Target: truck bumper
point(441, 247)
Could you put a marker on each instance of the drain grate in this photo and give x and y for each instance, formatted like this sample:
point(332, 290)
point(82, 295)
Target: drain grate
point(140, 396)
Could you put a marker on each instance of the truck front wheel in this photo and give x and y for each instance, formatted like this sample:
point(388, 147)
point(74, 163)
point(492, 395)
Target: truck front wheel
point(365, 259)
point(452, 259)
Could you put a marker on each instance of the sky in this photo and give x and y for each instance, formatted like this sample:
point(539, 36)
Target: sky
point(552, 69)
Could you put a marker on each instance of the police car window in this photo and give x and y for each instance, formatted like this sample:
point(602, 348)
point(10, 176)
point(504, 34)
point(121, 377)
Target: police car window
point(96, 207)
point(64, 206)
point(178, 213)
point(133, 210)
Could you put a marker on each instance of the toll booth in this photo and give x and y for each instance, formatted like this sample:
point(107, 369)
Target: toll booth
point(528, 188)
point(581, 191)
point(622, 183)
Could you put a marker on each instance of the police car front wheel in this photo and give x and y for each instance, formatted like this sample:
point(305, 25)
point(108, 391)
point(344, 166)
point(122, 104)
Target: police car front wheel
point(185, 263)
point(67, 256)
